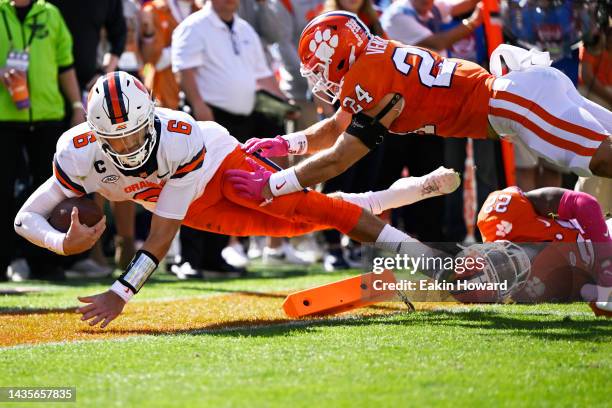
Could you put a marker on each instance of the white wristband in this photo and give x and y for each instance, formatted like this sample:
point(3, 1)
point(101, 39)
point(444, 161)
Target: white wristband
point(284, 182)
point(298, 143)
point(122, 291)
point(54, 241)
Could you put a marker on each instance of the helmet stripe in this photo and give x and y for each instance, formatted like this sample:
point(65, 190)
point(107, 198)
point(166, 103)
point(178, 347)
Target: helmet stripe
point(122, 109)
point(113, 99)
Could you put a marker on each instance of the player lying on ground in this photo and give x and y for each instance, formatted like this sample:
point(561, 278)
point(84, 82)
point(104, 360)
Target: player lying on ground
point(575, 261)
point(387, 86)
point(175, 167)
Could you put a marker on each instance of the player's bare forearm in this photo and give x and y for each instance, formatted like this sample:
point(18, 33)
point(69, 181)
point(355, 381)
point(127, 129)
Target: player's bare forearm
point(444, 39)
point(161, 235)
point(331, 162)
point(323, 134)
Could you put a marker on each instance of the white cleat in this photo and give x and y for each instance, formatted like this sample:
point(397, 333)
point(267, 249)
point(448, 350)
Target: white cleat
point(438, 182)
point(234, 255)
point(441, 180)
point(18, 270)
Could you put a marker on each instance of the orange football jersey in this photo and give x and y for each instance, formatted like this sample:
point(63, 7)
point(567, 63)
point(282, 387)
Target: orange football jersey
point(559, 270)
point(509, 215)
point(443, 96)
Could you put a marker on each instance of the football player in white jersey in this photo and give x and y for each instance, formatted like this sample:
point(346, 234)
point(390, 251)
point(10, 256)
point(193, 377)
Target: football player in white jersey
point(181, 170)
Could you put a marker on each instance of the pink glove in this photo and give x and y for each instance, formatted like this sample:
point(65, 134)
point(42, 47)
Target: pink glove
point(249, 185)
point(277, 147)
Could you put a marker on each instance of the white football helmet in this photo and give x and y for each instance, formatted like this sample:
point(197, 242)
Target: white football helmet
point(121, 114)
point(504, 262)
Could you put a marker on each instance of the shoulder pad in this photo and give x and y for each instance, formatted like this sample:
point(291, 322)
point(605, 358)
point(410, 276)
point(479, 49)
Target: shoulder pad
point(76, 149)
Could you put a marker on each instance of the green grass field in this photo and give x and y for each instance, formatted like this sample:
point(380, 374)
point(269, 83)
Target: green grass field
point(499, 355)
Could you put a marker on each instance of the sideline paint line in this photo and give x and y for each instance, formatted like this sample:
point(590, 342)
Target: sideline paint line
point(155, 318)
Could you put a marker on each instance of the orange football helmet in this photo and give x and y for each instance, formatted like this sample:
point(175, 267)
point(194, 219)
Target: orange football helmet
point(329, 46)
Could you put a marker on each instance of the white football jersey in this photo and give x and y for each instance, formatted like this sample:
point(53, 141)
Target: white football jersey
point(187, 155)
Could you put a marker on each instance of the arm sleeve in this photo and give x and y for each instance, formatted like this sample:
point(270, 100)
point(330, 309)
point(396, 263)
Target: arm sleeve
point(116, 27)
point(406, 29)
point(31, 220)
point(63, 45)
point(188, 50)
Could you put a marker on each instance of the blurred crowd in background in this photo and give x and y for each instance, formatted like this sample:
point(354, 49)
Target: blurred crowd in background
point(195, 56)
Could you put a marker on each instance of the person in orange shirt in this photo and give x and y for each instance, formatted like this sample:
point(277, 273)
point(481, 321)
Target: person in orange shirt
point(159, 18)
point(387, 86)
point(596, 70)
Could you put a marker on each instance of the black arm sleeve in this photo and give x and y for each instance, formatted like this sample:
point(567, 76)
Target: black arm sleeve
point(369, 130)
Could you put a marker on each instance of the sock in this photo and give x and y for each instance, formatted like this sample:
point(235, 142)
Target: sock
point(393, 240)
point(585, 209)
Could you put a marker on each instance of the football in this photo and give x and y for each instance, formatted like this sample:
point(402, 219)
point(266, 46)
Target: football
point(89, 213)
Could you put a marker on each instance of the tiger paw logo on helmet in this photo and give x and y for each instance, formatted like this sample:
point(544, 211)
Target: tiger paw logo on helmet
point(323, 44)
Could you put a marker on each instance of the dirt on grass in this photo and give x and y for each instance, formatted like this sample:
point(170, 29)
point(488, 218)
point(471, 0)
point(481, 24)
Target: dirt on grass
point(169, 317)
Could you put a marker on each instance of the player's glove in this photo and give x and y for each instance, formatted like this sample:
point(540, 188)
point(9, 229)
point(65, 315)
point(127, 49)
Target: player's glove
point(276, 147)
point(249, 184)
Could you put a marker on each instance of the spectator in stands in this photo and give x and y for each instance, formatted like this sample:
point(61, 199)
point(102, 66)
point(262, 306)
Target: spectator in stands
point(35, 50)
point(420, 23)
point(596, 75)
point(365, 174)
point(552, 26)
point(486, 155)
point(292, 17)
point(259, 14)
point(596, 69)
point(87, 22)
point(159, 18)
point(220, 64)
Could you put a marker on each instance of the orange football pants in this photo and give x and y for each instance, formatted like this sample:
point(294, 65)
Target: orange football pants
point(222, 211)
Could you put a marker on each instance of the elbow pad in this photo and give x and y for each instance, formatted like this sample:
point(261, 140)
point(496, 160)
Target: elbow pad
point(369, 130)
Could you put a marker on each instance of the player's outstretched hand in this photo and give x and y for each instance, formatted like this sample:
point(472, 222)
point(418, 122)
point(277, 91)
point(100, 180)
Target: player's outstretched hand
point(248, 184)
point(104, 307)
point(276, 147)
point(80, 237)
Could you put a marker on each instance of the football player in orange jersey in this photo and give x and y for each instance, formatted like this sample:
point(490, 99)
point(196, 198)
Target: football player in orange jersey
point(578, 262)
point(385, 86)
